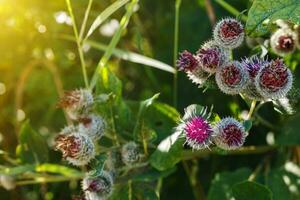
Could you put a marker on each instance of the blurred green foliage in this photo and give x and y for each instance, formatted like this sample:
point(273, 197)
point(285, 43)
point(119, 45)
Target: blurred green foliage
point(38, 63)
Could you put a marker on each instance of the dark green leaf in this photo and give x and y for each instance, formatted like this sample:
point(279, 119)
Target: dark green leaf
point(221, 185)
point(264, 12)
point(250, 190)
point(153, 174)
point(168, 152)
point(32, 147)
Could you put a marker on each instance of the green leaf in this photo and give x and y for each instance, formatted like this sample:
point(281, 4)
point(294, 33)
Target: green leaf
point(284, 182)
point(263, 12)
point(168, 152)
point(289, 134)
point(109, 83)
point(250, 190)
point(59, 169)
point(221, 185)
point(153, 174)
point(140, 117)
point(114, 41)
point(32, 147)
point(12, 171)
point(127, 55)
point(162, 118)
point(104, 15)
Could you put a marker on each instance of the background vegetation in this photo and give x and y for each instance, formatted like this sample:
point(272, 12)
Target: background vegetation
point(40, 60)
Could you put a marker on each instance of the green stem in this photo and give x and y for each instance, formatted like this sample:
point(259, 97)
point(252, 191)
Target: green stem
point(78, 42)
point(231, 9)
point(252, 109)
point(114, 131)
point(188, 155)
point(175, 52)
point(86, 15)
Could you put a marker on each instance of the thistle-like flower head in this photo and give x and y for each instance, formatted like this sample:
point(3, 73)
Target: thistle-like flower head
point(253, 65)
point(274, 80)
point(76, 147)
point(77, 102)
point(93, 125)
point(130, 153)
point(232, 78)
point(284, 41)
point(98, 186)
point(186, 61)
point(229, 33)
point(229, 134)
point(195, 127)
point(211, 56)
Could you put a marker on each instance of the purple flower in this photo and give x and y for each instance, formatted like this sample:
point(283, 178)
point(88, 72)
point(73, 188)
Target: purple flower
point(186, 61)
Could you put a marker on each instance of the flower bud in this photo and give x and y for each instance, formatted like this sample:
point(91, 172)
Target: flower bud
point(232, 78)
point(229, 134)
point(77, 102)
point(229, 33)
point(274, 80)
point(211, 56)
point(130, 153)
point(284, 41)
point(186, 61)
point(92, 125)
point(76, 147)
point(253, 65)
point(97, 187)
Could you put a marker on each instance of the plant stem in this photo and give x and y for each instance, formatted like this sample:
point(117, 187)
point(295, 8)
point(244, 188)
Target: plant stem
point(187, 154)
point(78, 42)
point(176, 33)
point(114, 131)
point(231, 9)
point(251, 111)
point(39, 180)
point(210, 12)
point(86, 15)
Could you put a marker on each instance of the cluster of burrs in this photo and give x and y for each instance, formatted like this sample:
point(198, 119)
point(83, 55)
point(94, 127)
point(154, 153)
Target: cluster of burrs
point(200, 132)
point(78, 142)
point(254, 77)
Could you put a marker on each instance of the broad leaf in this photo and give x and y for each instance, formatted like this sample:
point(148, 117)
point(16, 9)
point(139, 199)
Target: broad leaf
point(221, 185)
point(264, 12)
point(250, 190)
point(32, 148)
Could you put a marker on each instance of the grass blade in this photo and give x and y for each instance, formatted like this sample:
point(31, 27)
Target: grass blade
point(104, 15)
point(123, 24)
point(127, 55)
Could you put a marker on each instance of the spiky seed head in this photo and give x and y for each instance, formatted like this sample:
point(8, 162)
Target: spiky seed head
point(98, 187)
point(229, 134)
point(253, 65)
point(130, 153)
point(229, 33)
point(210, 56)
point(77, 102)
point(274, 80)
point(284, 41)
point(186, 61)
point(93, 125)
point(232, 78)
point(76, 147)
